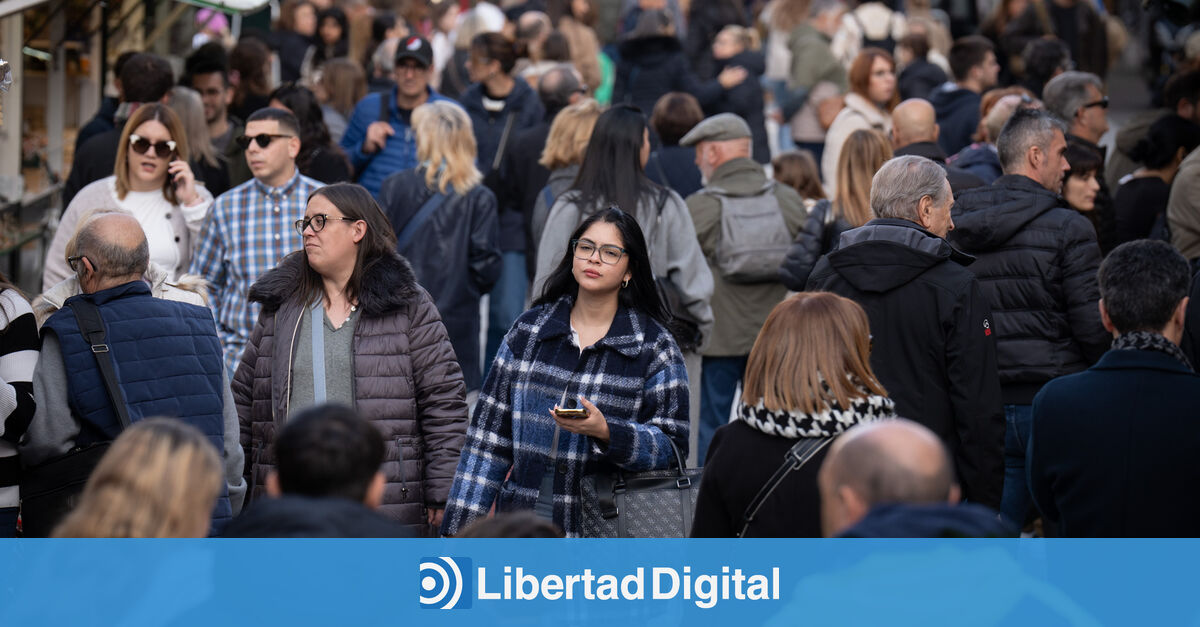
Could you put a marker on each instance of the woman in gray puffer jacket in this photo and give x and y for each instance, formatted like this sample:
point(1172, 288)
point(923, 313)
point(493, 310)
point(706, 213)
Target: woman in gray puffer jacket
point(385, 353)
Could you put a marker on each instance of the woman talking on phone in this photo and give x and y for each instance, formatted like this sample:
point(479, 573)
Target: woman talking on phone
point(152, 182)
point(588, 379)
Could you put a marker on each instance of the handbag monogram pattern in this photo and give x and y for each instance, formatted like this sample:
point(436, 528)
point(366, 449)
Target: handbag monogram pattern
point(649, 504)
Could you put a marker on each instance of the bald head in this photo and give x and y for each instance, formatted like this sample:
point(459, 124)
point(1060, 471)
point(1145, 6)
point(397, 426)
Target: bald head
point(115, 249)
point(913, 121)
point(559, 87)
point(891, 461)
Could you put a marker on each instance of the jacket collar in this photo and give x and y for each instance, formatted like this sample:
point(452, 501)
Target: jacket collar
point(626, 334)
point(738, 172)
point(908, 233)
point(283, 190)
point(132, 288)
point(388, 284)
point(929, 150)
point(875, 116)
point(1141, 360)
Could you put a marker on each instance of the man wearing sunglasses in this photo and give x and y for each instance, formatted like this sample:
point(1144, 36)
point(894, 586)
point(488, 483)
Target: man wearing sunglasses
point(1078, 99)
point(379, 138)
point(250, 227)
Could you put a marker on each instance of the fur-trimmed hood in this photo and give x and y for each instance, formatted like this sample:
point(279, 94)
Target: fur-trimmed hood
point(388, 284)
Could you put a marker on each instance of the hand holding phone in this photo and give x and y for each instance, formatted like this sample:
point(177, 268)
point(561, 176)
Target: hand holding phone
point(568, 407)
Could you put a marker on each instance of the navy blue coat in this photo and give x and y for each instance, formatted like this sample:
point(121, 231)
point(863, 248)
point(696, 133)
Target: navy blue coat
point(1114, 449)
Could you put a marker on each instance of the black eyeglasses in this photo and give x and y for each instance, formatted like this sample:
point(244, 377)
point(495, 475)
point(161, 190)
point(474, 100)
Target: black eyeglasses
point(317, 222)
point(585, 248)
point(73, 261)
point(1102, 103)
point(141, 145)
point(263, 139)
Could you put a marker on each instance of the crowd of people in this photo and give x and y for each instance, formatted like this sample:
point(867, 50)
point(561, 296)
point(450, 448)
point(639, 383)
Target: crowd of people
point(461, 269)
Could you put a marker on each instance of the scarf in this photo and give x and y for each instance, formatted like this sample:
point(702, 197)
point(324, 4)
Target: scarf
point(828, 423)
point(1146, 341)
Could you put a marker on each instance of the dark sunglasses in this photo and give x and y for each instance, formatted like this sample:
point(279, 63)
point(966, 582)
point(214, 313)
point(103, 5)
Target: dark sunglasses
point(263, 139)
point(317, 222)
point(141, 145)
point(1102, 103)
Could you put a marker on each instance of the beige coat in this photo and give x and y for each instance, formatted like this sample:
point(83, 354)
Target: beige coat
point(1183, 209)
point(858, 114)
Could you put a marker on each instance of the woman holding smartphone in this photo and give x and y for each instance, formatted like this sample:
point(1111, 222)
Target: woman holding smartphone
point(588, 379)
point(152, 182)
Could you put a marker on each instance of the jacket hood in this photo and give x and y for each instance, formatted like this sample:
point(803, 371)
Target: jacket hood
point(388, 284)
point(987, 217)
point(885, 254)
point(472, 99)
point(306, 517)
point(645, 49)
point(975, 154)
point(951, 96)
point(929, 521)
point(752, 61)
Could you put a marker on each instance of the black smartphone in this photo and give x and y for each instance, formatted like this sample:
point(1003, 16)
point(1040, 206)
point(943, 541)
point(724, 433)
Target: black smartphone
point(568, 407)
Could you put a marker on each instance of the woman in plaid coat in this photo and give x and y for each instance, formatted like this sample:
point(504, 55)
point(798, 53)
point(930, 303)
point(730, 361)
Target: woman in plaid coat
point(596, 341)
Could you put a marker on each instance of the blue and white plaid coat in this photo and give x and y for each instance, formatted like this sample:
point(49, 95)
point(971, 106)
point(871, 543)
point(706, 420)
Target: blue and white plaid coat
point(636, 377)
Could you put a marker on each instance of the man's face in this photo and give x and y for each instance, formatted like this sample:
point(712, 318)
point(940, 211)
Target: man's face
point(271, 163)
point(990, 71)
point(702, 162)
point(1093, 115)
point(215, 95)
point(1054, 163)
point(940, 222)
point(412, 78)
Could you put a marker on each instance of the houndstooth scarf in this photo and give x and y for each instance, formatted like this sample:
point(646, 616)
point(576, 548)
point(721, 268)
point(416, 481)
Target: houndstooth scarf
point(1146, 341)
point(829, 423)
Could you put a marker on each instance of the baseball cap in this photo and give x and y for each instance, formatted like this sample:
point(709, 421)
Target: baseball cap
point(415, 47)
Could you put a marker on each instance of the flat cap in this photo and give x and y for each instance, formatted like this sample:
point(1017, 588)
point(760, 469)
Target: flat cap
point(718, 128)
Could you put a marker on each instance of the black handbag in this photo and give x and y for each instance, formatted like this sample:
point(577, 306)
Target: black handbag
point(648, 504)
point(49, 491)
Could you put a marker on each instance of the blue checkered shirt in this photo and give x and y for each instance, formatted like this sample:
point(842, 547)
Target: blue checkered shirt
point(250, 228)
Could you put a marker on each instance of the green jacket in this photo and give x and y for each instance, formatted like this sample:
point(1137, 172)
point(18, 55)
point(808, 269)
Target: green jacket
point(739, 309)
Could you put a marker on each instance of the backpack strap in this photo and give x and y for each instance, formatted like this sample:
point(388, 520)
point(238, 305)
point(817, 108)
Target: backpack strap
point(548, 197)
point(503, 141)
point(800, 454)
point(385, 115)
point(91, 325)
point(415, 223)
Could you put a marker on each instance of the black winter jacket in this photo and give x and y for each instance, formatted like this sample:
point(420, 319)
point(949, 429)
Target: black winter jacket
point(744, 100)
point(919, 79)
point(957, 115)
point(455, 255)
point(1037, 263)
point(934, 351)
point(652, 66)
point(292, 516)
point(896, 520)
point(819, 236)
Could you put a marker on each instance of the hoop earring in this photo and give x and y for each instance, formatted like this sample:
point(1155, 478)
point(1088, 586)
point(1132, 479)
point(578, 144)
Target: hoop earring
point(625, 283)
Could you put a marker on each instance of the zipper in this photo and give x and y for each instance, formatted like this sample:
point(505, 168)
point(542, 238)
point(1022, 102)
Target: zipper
point(403, 475)
point(287, 390)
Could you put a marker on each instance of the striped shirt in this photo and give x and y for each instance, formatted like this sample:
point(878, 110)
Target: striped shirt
point(19, 344)
point(251, 227)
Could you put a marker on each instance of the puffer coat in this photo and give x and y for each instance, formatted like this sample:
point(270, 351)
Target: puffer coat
point(407, 383)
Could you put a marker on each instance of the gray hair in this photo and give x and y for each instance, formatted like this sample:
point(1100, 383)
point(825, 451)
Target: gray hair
point(110, 259)
point(1065, 93)
point(902, 182)
point(557, 85)
point(822, 6)
point(1025, 129)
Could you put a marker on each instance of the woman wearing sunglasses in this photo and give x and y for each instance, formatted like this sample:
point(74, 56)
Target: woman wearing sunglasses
point(588, 380)
point(152, 182)
point(344, 321)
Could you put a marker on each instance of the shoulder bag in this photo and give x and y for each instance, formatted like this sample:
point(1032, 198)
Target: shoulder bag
point(648, 504)
point(800, 454)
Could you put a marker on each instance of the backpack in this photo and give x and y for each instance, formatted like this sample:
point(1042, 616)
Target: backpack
point(754, 238)
point(887, 43)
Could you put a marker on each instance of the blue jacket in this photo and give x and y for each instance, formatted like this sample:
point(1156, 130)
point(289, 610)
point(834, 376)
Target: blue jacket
point(941, 520)
point(1113, 449)
point(167, 359)
point(400, 152)
point(957, 115)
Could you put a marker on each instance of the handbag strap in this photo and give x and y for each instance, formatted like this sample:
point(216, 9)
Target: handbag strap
point(414, 224)
point(795, 459)
point(496, 160)
point(91, 325)
point(608, 484)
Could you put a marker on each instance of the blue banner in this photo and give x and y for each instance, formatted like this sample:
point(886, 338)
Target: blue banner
point(616, 583)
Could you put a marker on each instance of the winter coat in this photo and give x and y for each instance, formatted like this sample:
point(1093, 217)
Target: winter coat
point(744, 100)
point(634, 375)
point(859, 113)
point(522, 179)
point(670, 236)
point(820, 235)
point(295, 516)
point(960, 180)
point(526, 111)
point(957, 112)
point(400, 151)
point(941, 520)
point(739, 309)
point(934, 350)
point(979, 159)
point(880, 23)
point(652, 66)
point(815, 74)
point(455, 255)
point(1183, 209)
point(919, 78)
point(745, 453)
point(1140, 204)
point(675, 167)
point(406, 382)
point(1036, 261)
point(1113, 449)
point(1130, 133)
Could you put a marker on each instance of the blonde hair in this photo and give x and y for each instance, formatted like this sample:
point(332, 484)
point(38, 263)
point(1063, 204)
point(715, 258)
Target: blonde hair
point(814, 349)
point(160, 479)
point(446, 146)
point(748, 37)
point(569, 134)
point(186, 103)
point(864, 152)
point(163, 114)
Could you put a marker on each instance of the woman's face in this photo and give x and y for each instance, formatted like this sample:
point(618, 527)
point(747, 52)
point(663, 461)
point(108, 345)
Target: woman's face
point(1080, 191)
point(334, 247)
point(304, 20)
point(595, 274)
point(331, 31)
point(446, 24)
point(148, 171)
point(1016, 8)
point(882, 84)
point(726, 46)
point(645, 156)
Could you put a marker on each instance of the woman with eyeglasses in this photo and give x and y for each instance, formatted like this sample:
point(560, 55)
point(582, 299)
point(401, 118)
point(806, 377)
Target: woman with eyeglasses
point(152, 182)
point(344, 321)
point(588, 380)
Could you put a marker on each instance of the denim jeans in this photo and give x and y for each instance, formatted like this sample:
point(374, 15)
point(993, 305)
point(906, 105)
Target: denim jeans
point(719, 377)
point(1014, 502)
point(505, 304)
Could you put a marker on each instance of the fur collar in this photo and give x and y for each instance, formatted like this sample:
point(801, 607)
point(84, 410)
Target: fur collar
point(388, 284)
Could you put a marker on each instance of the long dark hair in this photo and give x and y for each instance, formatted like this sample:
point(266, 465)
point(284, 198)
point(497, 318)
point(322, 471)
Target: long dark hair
point(642, 292)
point(314, 135)
point(611, 172)
point(379, 243)
point(341, 47)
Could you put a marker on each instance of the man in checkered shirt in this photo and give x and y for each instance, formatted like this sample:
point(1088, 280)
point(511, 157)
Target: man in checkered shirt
point(251, 227)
